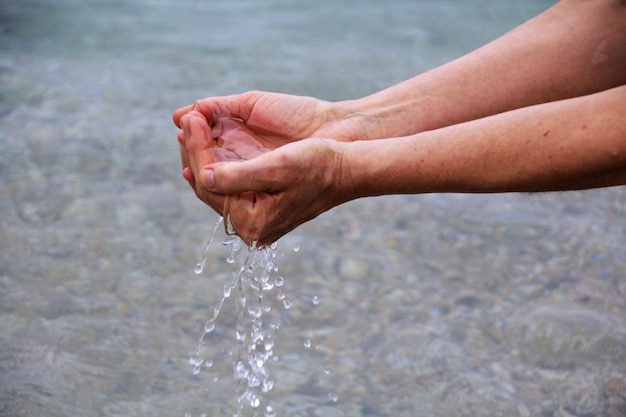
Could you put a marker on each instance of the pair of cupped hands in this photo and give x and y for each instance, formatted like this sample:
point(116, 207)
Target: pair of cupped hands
point(266, 162)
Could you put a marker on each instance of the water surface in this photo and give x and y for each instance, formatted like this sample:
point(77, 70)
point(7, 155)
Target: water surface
point(435, 305)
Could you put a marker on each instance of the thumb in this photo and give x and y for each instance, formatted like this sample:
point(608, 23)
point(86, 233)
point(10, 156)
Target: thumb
point(237, 177)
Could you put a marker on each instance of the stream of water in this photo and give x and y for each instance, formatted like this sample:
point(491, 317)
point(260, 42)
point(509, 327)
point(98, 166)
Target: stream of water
point(254, 279)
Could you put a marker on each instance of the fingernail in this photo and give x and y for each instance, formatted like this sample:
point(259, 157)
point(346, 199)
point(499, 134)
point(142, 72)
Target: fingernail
point(207, 178)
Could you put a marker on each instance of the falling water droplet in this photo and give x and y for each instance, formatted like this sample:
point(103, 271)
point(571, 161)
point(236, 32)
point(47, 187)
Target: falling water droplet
point(315, 300)
point(209, 326)
point(268, 384)
point(279, 281)
point(227, 290)
point(196, 363)
point(333, 397)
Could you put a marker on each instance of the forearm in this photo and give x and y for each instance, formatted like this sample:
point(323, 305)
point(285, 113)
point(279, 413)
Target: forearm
point(576, 47)
point(569, 144)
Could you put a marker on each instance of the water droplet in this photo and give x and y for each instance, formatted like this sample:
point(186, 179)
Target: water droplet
point(327, 371)
point(255, 402)
point(199, 267)
point(333, 397)
point(240, 370)
point(255, 311)
point(208, 364)
point(268, 384)
point(241, 336)
point(209, 326)
point(227, 290)
point(195, 361)
point(269, 411)
point(287, 304)
point(267, 286)
point(279, 281)
point(315, 300)
point(307, 343)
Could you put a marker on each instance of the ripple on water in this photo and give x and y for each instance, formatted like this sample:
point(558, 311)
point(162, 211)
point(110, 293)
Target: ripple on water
point(564, 337)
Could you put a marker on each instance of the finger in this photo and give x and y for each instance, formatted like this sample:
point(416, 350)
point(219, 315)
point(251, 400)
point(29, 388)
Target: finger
point(257, 174)
point(179, 113)
point(198, 143)
point(238, 105)
point(244, 216)
point(183, 157)
point(188, 175)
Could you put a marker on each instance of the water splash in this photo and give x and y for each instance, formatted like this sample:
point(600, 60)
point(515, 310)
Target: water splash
point(255, 284)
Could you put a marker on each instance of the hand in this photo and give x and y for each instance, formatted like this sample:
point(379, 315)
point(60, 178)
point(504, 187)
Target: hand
point(228, 140)
point(272, 119)
point(277, 119)
point(272, 194)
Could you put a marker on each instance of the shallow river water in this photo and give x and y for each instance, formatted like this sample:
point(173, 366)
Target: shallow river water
point(433, 305)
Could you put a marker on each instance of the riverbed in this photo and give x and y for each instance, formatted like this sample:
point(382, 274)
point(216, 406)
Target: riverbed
point(430, 305)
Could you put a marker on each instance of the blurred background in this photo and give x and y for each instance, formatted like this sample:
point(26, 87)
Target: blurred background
point(432, 305)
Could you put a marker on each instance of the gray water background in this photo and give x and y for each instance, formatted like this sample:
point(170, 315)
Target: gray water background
point(434, 305)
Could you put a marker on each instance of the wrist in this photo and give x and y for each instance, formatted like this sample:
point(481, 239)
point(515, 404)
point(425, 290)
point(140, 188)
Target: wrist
point(356, 167)
point(388, 114)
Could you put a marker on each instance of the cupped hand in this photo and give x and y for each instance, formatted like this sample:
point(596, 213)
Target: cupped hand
point(200, 145)
point(270, 195)
point(277, 119)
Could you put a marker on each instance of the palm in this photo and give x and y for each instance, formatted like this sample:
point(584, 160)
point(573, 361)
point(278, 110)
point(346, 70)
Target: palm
point(275, 119)
point(281, 119)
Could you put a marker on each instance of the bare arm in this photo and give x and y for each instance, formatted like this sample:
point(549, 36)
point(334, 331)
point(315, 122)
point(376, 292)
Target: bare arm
point(576, 47)
point(570, 144)
point(539, 109)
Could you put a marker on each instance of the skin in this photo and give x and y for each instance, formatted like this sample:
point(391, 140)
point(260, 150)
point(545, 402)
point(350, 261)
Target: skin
point(539, 109)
